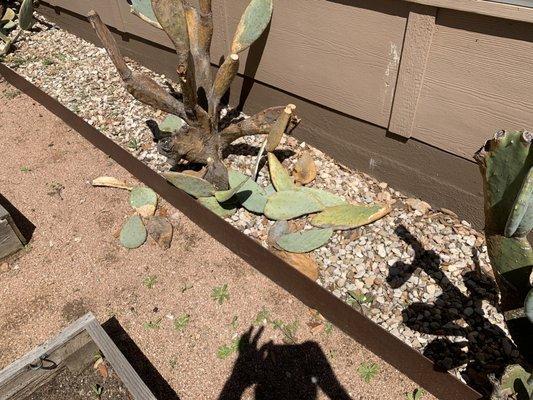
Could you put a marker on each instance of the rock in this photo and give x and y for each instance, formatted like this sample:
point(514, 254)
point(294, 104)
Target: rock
point(161, 231)
point(418, 205)
point(4, 267)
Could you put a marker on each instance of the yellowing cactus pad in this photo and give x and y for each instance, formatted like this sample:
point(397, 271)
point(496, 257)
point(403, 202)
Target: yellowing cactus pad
point(278, 174)
point(349, 216)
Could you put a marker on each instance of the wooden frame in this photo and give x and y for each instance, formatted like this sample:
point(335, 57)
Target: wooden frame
point(78, 342)
point(11, 240)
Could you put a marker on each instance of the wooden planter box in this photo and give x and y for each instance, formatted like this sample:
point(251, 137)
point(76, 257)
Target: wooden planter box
point(11, 240)
point(73, 348)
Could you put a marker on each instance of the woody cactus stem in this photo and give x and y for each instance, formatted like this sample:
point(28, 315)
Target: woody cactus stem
point(506, 164)
point(202, 139)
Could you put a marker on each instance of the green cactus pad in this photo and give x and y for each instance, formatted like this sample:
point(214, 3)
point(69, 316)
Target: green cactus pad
point(171, 123)
point(223, 210)
point(528, 306)
point(133, 233)
point(289, 204)
point(305, 241)
point(142, 196)
point(520, 219)
point(253, 22)
point(144, 8)
point(10, 25)
point(270, 190)
point(249, 194)
point(517, 378)
point(326, 198)
point(279, 175)
point(194, 186)
point(26, 15)
point(349, 216)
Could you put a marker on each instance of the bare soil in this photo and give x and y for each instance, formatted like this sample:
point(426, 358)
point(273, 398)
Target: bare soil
point(74, 264)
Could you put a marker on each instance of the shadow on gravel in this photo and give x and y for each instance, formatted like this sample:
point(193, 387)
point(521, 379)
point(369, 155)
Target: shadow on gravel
point(470, 339)
point(140, 363)
point(281, 371)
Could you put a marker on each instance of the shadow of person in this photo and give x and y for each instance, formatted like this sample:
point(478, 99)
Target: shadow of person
point(293, 371)
point(471, 340)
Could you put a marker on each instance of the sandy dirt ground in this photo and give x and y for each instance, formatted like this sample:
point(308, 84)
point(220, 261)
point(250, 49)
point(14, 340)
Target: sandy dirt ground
point(74, 264)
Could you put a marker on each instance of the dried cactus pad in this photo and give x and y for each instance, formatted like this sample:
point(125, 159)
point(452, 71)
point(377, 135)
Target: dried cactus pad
point(289, 204)
point(193, 185)
point(9, 15)
point(171, 124)
point(305, 241)
point(223, 210)
point(326, 198)
point(349, 216)
point(254, 21)
point(250, 195)
point(278, 174)
point(133, 233)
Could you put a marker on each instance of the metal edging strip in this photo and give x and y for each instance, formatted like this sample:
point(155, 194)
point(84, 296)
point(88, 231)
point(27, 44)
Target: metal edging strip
point(376, 339)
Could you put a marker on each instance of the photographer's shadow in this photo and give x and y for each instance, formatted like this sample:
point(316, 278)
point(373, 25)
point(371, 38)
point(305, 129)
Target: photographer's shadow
point(293, 372)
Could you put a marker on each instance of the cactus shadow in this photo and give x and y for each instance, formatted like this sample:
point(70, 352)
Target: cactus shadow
point(466, 337)
point(281, 371)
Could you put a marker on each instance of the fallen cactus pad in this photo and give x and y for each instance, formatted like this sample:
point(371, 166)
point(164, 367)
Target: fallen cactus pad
point(278, 174)
point(349, 216)
point(289, 204)
point(305, 241)
point(133, 234)
point(326, 198)
point(196, 187)
point(223, 210)
point(250, 195)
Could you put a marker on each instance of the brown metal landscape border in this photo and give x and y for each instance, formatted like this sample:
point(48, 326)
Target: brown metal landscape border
point(391, 349)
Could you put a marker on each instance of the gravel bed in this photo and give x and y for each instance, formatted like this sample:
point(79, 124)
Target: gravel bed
point(416, 272)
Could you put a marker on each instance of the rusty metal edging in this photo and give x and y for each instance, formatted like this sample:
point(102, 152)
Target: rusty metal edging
point(391, 349)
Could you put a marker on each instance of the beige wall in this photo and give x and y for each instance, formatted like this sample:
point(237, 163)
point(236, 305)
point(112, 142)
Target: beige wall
point(446, 77)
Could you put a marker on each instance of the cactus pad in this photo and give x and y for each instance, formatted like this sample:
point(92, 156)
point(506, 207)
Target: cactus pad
point(193, 185)
point(171, 124)
point(289, 204)
point(145, 10)
point(26, 15)
point(249, 194)
point(305, 241)
point(254, 21)
point(349, 216)
point(144, 200)
point(133, 234)
point(326, 198)
point(223, 210)
point(278, 174)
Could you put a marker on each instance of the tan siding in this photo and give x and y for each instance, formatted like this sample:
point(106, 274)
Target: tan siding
point(108, 9)
point(338, 55)
point(478, 80)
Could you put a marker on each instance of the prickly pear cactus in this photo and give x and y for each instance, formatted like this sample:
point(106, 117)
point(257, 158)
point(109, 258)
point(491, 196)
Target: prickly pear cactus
point(506, 165)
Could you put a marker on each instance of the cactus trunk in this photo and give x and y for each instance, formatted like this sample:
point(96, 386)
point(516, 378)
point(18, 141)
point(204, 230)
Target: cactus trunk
point(202, 138)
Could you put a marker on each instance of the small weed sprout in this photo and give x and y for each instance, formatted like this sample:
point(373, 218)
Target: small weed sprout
point(220, 293)
point(328, 327)
point(367, 371)
point(134, 144)
point(417, 394)
point(152, 324)
point(181, 322)
point(98, 390)
point(263, 317)
point(25, 169)
point(150, 281)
